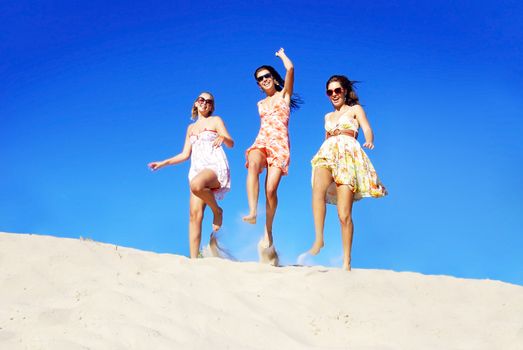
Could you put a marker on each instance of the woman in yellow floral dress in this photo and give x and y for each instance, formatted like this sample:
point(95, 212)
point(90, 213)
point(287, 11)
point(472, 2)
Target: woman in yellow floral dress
point(341, 171)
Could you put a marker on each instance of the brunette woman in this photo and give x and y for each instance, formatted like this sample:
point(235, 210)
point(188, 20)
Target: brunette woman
point(271, 148)
point(341, 171)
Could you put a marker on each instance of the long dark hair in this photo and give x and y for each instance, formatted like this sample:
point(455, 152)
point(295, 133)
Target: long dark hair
point(279, 83)
point(351, 98)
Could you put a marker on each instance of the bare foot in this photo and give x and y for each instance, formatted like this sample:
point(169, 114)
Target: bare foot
point(316, 247)
point(217, 221)
point(251, 218)
point(267, 253)
point(213, 246)
point(346, 266)
point(272, 256)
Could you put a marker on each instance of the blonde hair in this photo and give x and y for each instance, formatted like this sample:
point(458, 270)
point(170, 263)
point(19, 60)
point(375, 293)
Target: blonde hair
point(194, 111)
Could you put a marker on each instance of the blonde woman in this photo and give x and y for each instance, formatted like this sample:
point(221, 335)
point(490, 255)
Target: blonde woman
point(209, 175)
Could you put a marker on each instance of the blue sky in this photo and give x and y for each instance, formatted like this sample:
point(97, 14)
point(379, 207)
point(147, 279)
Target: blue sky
point(91, 92)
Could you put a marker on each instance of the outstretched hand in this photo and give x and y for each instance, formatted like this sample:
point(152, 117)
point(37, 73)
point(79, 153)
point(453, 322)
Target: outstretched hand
point(154, 165)
point(368, 145)
point(280, 53)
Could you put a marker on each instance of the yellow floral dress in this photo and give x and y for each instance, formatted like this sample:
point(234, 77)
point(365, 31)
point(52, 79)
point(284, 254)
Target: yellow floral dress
point(347, 162)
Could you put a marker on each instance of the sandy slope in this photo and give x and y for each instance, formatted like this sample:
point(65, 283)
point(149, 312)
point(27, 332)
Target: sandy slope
point(70, 294)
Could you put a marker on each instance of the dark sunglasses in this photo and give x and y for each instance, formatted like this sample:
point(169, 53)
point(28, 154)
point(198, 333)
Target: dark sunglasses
point(336, 91)
point(265, 76)
point(202, 100)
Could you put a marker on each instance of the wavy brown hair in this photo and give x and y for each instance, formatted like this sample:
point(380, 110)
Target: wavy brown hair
point(351, 98)
point(194, 111)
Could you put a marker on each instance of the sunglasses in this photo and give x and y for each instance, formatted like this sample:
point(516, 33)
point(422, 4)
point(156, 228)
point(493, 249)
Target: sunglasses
point(265, 76)
point(201, 100)
point(336, 91)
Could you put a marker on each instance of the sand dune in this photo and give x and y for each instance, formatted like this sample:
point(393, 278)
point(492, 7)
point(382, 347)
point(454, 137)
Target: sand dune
point(71, 294)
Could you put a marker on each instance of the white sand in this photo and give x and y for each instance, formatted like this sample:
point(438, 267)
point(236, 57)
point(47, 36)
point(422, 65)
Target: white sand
point(70, 294)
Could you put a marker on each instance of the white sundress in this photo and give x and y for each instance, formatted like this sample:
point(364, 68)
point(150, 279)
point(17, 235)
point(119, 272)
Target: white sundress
point(205, 156)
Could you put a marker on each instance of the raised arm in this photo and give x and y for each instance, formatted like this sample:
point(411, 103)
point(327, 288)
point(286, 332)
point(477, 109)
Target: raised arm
point(180, 157)
point(289, 76)
point(223, 134)
point(365, 126)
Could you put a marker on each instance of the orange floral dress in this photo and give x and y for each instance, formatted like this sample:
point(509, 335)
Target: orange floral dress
point(343, 156)
point(273, 137)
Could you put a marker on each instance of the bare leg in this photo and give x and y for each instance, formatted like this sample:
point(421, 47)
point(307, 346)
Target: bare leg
point(257, 161)
point(196, 209)
point(271, 188)
point(267, 254)
point(345, 201)
point(213, 245)
point(266, 250)
point(201, 186)
point(321, 182)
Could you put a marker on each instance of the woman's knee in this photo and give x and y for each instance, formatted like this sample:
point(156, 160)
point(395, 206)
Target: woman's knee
point(256, 160)
point(345, 218)
point(319, 189)
point(197, 186)
point(271, 191)
point(255, 166)
point(196, 215)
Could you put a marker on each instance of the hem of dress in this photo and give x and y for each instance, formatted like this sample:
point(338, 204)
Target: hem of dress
point(253, 147)
point(219, 193)
point(357, 197)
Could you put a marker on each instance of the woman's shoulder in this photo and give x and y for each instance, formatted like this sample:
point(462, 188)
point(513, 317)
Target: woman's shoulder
point(352, 111)
point(191, 127)
point(212, 123)
point(282, 97)
point(357, 107)
point(215, 119)
point(262, 101)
